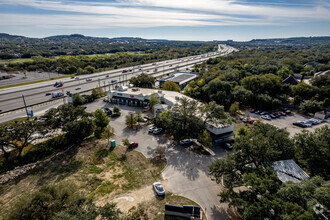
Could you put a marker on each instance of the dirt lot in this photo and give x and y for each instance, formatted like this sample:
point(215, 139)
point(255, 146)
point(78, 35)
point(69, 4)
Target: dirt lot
point(120, 176)
point(286, 122)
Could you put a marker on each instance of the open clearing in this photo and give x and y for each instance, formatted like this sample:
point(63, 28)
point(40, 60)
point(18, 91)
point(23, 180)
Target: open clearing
point(120, 176)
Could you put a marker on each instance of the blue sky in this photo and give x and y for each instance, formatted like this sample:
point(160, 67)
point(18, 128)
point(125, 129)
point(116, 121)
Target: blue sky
point(167, 19)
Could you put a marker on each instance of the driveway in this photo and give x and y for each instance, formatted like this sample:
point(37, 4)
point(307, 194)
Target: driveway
point(186, 172)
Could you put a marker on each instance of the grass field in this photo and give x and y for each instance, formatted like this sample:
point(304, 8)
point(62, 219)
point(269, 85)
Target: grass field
point(18, 60)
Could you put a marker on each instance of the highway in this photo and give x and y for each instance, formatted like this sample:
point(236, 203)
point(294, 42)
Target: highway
point(11, 98)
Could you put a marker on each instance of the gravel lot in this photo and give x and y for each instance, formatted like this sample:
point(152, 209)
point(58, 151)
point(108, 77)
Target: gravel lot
point(286, 122)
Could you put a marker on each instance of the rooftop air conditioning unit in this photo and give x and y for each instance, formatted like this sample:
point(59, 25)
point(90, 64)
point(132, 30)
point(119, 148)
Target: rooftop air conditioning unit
point(177, 98)
point(160, 91)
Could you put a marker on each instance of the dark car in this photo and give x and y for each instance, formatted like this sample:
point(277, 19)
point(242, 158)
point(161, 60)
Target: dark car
point(257, 112)
point(159, 189)
point(272, 116)
point(107, 76)
point(48, 93)
point(133, 144)
point(72, 77)
point(228, 146)
point(252, 110)
point(263, 113)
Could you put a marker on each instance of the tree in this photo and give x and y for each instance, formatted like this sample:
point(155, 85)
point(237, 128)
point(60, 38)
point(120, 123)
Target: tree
point(101, 119)
point(213, 113)
point(108, 133)
point(304, 90)
point(171, 86)
point(24, 133)
point(234, 107)
point(4, 141)
point(89, 69)
point(139, 117)
point(312, 151)
point(125, 142)
point(320, 81)
point(153, 100)
point(77, 99)
point(130, 120)
point(309, 106)
point(160, 151)
point(284, 72)
point(77, 131)
point(143, 80)
point(205, 139)
point(243, 96)
point(116, 110)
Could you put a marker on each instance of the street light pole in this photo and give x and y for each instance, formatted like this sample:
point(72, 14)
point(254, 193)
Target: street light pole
point(25, 106)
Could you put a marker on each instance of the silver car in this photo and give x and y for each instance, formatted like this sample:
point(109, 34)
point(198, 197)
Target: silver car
point(159, 189)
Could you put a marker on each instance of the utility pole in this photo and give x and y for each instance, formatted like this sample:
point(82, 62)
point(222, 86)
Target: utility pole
point(99, 83)
point(63, 96)
point(25, 106)
point(105, 89)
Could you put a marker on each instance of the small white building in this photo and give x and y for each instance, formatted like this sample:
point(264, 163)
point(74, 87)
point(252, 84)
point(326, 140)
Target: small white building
point(140, 97)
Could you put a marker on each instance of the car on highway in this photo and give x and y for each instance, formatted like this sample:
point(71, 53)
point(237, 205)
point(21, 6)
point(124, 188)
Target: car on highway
point(186, 141)
point(157, 131)
point(88, 79)
point(78, 88)
point(48, 93)
point(76, 78)
point(159, 189)
point(113, 81)
point(106, 76)
point(124, 71)
point(72, 77)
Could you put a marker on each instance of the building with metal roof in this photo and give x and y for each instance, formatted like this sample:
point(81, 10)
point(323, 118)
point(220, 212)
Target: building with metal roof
point(288, 170)
point(180, 78)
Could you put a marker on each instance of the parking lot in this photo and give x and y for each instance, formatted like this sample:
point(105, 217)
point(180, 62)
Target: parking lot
point(30, 76)
point(286, 122)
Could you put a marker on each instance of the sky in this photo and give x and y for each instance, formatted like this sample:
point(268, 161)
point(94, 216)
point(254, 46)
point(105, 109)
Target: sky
point(239, 20)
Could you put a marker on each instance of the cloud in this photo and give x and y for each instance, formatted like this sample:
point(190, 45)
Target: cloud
point(159, 13)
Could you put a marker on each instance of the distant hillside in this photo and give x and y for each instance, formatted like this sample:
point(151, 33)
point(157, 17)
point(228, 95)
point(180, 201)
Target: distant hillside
point(294, 41)
point(12, 46)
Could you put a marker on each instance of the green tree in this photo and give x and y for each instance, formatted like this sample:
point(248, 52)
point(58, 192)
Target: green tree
point(139, 117)
point(130, 120)
point(116, 110)
point(312, 151)
point(89, 69)
point(143, 80)
point(77, 131)
point(101, 118)
point(304, 90)
point(108, 133)
point(153, 100)
point(125, 142)
point(243, 96)
point(310, 106)
point(171, 86)
point(205, 139)
point(234, 107)
point(284, 72)
point(78, 99)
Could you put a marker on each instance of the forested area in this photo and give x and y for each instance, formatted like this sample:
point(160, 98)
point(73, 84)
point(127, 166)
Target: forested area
point(253, 77)
point(261, 194)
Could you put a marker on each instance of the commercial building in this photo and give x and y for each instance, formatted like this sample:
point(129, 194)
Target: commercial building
point(182, 79)
point(140, 97)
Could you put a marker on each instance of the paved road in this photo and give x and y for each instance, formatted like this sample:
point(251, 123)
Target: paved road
point(11, 98)
point(186, 172)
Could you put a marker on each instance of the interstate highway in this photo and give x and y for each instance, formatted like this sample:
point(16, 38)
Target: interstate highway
point(12, 98)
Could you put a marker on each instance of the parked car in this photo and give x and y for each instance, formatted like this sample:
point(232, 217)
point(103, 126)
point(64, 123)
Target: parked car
point(240, 112)
point(282, 113)
point(157, 130)
point(228, 146)
point(251, 121)
point(133, 144)
point(147, 117)
point(272, 116)
point(252, 110)
point(151, 129)
point(105, 99)
point(302, 124)
point(263, 113)
point(285, 110)
point(266, 117)
point(159, 189)
point(186, 141)
point(257, 112)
